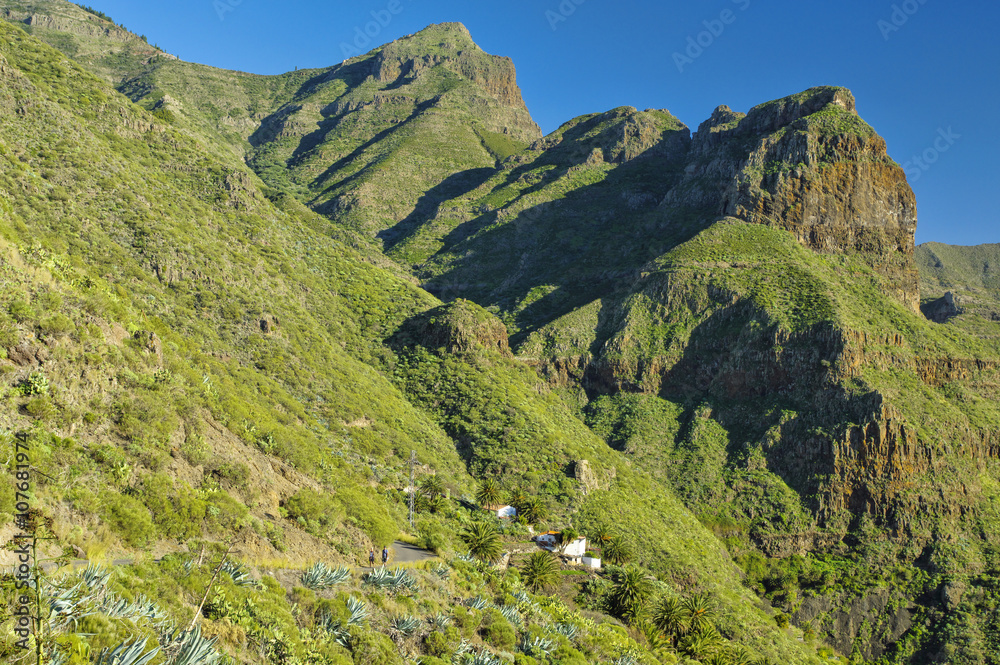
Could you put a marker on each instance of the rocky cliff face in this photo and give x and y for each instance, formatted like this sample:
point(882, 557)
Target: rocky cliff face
point(810, 165)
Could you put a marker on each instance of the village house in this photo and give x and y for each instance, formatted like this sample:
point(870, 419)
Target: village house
point(502, 511)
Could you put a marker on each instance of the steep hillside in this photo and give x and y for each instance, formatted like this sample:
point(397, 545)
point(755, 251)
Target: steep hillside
point(712, 354)
point(786, 384)
point(196, 364)
point(971, 275)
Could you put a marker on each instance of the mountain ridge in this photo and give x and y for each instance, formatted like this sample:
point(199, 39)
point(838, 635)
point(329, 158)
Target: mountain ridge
point(722, 325)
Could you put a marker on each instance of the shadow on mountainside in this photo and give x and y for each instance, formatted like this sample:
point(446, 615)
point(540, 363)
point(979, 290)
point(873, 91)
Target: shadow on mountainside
point(590, 244)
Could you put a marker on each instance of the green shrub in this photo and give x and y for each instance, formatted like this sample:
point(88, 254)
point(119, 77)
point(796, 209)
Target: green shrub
point(127, 516)
point(316, 511)
point(371, 648)
point(497, 631)
point(36, 384)
point(41, 408)
point(234, 473)
point(195, 450)
point(370, 515)
point(21, 311)
point(439, 644)
point(9, 335)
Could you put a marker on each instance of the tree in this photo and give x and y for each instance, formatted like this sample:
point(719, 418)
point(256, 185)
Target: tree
point(669, 617)
point(432, 487)
point(540, 571)
point(533, 510)
point(516, 497)
point(629, 594)
point(483, 541)
point(489, 493)
point(567, 536)
point(699, 611)
point(602, 533)
point(701, 644)
point(616, 551)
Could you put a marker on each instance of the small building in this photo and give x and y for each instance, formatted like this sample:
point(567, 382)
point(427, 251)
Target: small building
point(503, 512)
point(575, 549)
point(549, 540)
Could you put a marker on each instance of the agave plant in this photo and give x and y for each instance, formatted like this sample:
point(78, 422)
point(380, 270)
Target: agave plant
point(336, 629)
point(191, 648)
point(537, 647)
point(464, 647)
point(241, 576)
point(511, 614)
point(67, 606)
point(485, 659)
point(57, 657)
point(442, 571)
point(567, 630)
point(127, 654)
point(478, 603)
point(95, 577)
point(625, 659)
point(440, 621)
point(404, 625)
point(140, 608)
point(320, 576)
point(358, 610)
point(394, 581)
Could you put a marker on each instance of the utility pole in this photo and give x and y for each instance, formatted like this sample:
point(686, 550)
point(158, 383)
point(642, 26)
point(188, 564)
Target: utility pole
point(413, 488)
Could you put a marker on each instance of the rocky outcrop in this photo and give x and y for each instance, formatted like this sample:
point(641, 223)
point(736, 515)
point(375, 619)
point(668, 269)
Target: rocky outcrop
point(808, 164)
point(460, 327)
point(407, 60)
point(943, 309)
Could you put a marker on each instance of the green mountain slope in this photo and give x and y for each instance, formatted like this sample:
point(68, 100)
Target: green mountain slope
point(717, 347)
point(971, 275)
point(194, 359)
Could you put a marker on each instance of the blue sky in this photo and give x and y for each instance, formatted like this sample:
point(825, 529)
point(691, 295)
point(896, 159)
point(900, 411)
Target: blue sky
point(925, 72)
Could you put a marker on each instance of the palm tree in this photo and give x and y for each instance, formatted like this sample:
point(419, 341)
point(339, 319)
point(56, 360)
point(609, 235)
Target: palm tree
point(629, 594)
point(701, 644)
point(669, 616)
point(488, 493)
point(567, 537)
point(431, 487)
point(533, 510)
point(540, 571)
point(616, 551)
point(740, 656)
point(483, 541)
point(602, 533)
point(517, 497)
point(699, 611)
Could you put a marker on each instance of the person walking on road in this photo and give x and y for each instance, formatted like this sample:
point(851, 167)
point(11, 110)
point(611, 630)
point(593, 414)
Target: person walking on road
point(371, 557)
point(385, 555)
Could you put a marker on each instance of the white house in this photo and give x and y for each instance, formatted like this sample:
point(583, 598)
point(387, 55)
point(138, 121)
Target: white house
point(503, 512)
point(576, 549)
point(548, 540)
point(551, 540)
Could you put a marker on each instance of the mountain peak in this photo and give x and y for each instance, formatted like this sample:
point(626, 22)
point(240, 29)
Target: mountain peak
point(772, 116)
point(448, 45)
